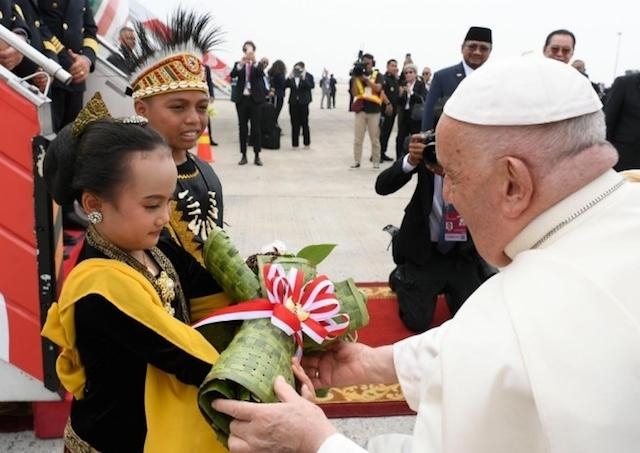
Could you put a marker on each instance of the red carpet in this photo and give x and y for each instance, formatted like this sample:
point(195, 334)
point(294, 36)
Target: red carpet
point(385, 327)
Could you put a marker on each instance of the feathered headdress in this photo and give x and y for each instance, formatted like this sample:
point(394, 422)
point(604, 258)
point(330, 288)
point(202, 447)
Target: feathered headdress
point(170, 56)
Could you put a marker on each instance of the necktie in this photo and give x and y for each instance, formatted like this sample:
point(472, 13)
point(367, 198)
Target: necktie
point(248, 76)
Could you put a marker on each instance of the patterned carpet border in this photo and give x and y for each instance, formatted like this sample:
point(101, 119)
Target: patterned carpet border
point(371, 400)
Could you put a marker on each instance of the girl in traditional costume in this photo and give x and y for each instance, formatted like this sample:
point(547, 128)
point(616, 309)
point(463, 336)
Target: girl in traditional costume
point(170, 89)
point(128, 354)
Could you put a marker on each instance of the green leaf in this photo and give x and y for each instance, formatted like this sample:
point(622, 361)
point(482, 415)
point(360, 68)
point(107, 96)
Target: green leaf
point(316, 253)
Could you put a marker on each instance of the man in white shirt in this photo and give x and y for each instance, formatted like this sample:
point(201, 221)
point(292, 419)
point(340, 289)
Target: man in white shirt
point(545, 355)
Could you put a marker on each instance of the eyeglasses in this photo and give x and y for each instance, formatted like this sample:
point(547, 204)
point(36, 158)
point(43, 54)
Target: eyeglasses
point(426, 73)
point(409, 71)
point(562, 50)
point(480, 47)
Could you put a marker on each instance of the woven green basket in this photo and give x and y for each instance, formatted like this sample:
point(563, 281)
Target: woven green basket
point(246, 370)
point(259, 352)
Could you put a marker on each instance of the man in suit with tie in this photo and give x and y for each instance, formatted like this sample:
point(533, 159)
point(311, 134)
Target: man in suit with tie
point(250, 95)
point(433, 251)
point(476, 49)
point(300, 84)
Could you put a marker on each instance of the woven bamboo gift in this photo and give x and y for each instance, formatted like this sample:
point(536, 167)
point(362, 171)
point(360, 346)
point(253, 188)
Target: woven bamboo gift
point(261, 351)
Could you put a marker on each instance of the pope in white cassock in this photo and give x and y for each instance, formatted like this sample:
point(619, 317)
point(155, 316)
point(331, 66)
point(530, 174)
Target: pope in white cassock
point(543, 357)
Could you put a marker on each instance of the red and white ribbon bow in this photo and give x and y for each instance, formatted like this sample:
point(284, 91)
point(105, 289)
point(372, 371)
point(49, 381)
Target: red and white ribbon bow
point(294, 307)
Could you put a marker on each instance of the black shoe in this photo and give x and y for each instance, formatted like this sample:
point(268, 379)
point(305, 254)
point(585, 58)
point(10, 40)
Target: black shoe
point(356, 165)
point(394, 277)
point(385, 158)
point(257, 161)
point(243, 161)
point(214, 143)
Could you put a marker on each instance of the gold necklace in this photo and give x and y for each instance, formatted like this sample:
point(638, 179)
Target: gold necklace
point(166, 284)
point(577, 214)
point(188, 175)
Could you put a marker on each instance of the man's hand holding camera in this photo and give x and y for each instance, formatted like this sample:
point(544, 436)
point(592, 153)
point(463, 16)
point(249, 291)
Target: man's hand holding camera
point(298, 71)
point(416, 147)
point(422, 148)
point(249, 57)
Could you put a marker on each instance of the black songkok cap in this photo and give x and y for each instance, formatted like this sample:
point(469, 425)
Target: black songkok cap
point(479, 34)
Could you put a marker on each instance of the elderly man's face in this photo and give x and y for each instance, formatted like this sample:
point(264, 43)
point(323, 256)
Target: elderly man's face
point(475, 53)
point(470, 185)
point(560, 48)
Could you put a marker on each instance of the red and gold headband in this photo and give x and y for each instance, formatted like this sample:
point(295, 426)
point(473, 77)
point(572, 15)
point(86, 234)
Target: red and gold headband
point(177, 72)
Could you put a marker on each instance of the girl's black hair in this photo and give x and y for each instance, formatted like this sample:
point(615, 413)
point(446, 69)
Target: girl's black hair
point(96, 161)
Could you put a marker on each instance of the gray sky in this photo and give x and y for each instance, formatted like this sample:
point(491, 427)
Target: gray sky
point(328, 33)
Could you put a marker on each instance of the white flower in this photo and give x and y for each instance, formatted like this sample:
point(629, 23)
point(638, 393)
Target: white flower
point(275, 247)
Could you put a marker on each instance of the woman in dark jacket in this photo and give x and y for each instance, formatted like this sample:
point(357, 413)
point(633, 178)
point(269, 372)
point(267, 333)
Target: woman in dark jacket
point(277, 74)
point(412, 92)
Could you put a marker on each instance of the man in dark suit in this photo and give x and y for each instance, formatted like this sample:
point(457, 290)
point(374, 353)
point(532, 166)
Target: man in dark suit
point(390, 86)
point(332, 84)
point(300, 84)
point(476, 49)
point(622, 113)
point(250, 95)
point(40, 38)
point(11, 18)
point(429, 260)
point(74, 30)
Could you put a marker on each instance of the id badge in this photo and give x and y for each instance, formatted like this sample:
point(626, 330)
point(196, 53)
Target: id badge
point(368, 92)
point(455, 230)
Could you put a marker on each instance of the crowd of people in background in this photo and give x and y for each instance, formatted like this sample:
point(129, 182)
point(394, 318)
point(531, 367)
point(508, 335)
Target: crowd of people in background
point(401, 100)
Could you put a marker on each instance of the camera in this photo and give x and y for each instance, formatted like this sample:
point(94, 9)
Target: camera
point(428, 138)
point(360, 66)
point(297, 71)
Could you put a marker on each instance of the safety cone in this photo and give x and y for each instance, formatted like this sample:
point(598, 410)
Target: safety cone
point(204, 148)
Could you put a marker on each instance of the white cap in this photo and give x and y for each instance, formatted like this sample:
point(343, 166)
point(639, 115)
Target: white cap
point(520, 91)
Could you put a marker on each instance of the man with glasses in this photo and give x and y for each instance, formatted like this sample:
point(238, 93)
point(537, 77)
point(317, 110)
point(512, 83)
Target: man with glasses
point(476, 49)
point(559, 45)
point(431, 258)
point(544, 357)
point(433, 252)
point(426, 77)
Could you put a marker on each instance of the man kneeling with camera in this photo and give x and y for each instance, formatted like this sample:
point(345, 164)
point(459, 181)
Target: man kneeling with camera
point(433, 250)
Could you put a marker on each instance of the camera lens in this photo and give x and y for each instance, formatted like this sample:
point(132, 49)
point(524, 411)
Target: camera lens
point(429, 152)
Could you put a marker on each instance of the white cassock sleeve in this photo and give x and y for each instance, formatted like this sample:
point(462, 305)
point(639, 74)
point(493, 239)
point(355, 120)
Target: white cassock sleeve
point(409, 354)
point(337, 443)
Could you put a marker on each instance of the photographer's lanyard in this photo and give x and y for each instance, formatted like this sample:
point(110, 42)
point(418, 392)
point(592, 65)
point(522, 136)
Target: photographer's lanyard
point(445, 223)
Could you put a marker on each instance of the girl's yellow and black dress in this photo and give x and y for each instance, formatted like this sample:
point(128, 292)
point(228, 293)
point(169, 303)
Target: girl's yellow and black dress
point(128, 354)
point(197, 205)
